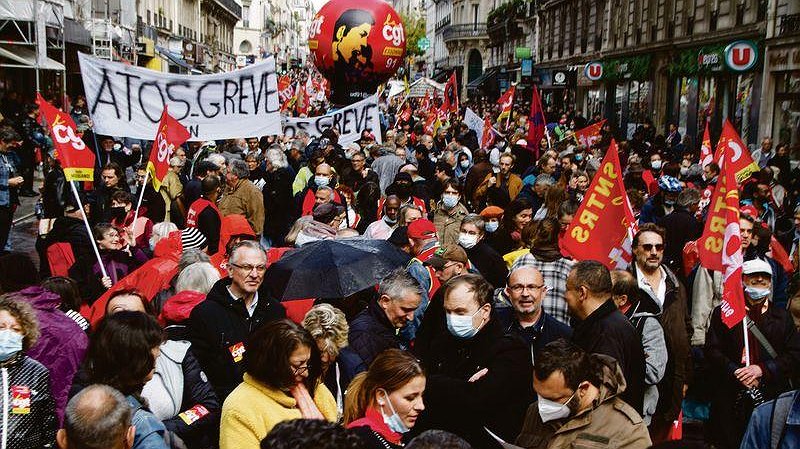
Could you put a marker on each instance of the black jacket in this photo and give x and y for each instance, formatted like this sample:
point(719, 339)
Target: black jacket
point(218, 324)
point(278, 205)
point(607, 331)
point(498, 400)
point(547, 329)
point(34, 428)
point(681, 227)
point(73, 231)
point(489, 263)
point(371, 333)
point(56, 193)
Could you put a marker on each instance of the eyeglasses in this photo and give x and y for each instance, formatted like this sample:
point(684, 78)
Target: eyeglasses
point(649, 247)
point(249, 268)
point(519, 288)
point(298, 370)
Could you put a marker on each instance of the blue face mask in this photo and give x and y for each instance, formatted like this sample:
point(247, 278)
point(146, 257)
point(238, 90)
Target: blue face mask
point(461, 325)
point(10, 344)
point(393, 421)
point(449, 200)
point(492, 226)
point(755, 293)
point(578, 157)
point(321, 181)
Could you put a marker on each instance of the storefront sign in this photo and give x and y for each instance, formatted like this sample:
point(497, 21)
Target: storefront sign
point(523, 52)
point(125, 100)
point(780, 59)
point(741, 56)
point(712, 61)
point(560, 77)
point(526, 67)
point(593, 70)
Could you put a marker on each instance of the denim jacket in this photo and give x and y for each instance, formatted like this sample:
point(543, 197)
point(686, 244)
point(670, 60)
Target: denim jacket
point(759, 431)
point(149, 430)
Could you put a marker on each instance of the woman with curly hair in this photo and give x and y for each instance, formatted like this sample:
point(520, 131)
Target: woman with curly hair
point(29, 421)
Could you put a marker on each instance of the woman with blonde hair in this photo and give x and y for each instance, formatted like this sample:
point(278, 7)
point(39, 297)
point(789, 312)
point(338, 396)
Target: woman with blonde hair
point(384, 402)
point(328, 326)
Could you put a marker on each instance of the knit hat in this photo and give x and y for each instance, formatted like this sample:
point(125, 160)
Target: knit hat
point(193, 238)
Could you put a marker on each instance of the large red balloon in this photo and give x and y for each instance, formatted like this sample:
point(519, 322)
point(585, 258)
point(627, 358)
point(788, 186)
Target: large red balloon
point(356, 46)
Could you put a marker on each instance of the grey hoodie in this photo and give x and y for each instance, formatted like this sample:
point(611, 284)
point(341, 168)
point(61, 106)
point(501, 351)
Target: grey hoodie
point(655, 355)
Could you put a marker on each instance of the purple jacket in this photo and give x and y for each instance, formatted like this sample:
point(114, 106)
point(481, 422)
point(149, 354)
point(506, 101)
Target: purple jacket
point(61, 344)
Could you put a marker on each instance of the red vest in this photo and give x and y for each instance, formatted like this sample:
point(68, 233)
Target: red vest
point(197, 208)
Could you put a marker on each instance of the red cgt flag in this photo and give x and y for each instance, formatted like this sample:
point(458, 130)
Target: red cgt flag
point(732, 304)
point(740, 159)
point(450, 103)
point(76, 158)
point(170, 134)
point(604, 222)
point(426, 102)
point(488, 133)
point(705, 149)
point(590, 135)
point(285, 91)
point(536, 123)
point(506, 102)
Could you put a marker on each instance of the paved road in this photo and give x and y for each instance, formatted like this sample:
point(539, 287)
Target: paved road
point(26, 225)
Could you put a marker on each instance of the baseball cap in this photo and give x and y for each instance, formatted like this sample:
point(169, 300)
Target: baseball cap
point(446, 254)
point(492, 212)
point(756, 266)
point(193, 238)
point(421, 229)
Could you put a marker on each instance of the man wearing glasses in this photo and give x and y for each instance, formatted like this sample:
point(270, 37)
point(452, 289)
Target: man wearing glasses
point(234, 309)
point(525, 290)
point(666, 294)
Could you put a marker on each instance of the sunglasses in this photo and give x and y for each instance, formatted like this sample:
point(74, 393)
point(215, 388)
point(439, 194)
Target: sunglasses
point(649, 247)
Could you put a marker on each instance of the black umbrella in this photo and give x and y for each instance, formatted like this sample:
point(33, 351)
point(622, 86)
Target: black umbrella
point(333, 268)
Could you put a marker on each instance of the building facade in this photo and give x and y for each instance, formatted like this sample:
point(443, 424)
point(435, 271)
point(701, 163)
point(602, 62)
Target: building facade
point(274, 27)
point(669, 61)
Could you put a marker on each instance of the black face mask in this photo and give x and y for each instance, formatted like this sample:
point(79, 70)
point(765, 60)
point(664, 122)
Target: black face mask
point(403, 190)
point(117, 213)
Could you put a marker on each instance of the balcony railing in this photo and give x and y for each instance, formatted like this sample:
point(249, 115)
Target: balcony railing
point(790, 24)
point(464, 31)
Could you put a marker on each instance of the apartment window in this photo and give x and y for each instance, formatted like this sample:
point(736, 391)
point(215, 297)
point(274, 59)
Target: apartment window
point(475, 16)
point(761, 14)
point(690, 25)
point(246, 16)
point(739, 14)
point(712, 21)
point(148, 17)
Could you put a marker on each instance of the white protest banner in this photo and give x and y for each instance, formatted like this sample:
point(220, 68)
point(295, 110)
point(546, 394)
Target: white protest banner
point(127, 101)
point(350, 121)
point(474, 122)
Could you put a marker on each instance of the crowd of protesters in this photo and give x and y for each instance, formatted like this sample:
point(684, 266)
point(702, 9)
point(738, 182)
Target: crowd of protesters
point(171, 337)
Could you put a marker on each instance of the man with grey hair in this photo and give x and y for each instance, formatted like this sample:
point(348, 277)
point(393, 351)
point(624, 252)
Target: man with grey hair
point(234, 308)
point(242, 197)
point(98, 417)
point(681, 227)
point(375, 329)
point(218, 160)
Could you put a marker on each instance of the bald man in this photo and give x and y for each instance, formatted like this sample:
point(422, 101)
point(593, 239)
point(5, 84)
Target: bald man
point(525, 290)
point(97, 417)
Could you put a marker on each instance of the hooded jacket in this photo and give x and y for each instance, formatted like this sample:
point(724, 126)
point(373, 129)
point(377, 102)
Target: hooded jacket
point(61, 344)
point(245, 199)
point(219, 329)
point(644, 317)
point(609, 423)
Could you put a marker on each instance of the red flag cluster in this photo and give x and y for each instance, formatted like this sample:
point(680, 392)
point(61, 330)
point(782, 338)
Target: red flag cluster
point(590, 135)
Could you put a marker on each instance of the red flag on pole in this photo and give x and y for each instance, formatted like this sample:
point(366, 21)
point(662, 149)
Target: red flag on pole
point(285, 91)
point(170, 134)
point(590, 135)
point(506, 102)
point(426, 102)
point(405, 115)
point(732, 303)
point(536, 123)
point(76, 158)
point(604, 224)
point(488, 133)
point(740, 159)
point(705, 149)
point(450, 103)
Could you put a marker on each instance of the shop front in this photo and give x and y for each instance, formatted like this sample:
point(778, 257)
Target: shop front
point(708, 85)
point(781, 106)
point(628, 93)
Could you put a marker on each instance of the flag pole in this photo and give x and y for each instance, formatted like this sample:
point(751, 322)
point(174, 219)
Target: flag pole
point(88, 229)
point(746, 342)
point(141, 196)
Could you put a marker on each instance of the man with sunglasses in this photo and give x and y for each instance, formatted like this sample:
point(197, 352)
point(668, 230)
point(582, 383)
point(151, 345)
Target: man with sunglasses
point(664, 293)
point(233, 310)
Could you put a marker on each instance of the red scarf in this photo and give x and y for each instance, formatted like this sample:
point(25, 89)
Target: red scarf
point(374, 420)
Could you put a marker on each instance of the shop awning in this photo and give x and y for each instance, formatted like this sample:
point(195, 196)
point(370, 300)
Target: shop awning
point(477, 82)
point(75, 33)
point(175, 59)
point(27, 56)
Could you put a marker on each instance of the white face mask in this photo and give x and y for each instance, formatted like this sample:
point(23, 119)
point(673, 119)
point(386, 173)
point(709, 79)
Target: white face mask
point(467, 240)
point(656, 165)
point(461, 325)
point(552, 410)
point(492, 226)
point(393, 421)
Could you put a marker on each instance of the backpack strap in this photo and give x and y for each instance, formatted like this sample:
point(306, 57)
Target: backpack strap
point(780, 412)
